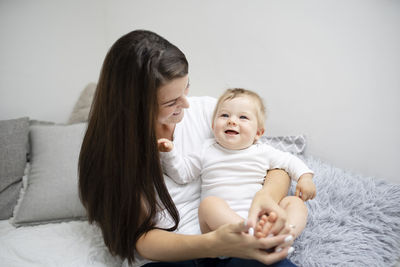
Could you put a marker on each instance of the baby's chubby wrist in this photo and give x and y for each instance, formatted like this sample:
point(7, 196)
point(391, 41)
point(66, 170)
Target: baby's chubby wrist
point(305, 176)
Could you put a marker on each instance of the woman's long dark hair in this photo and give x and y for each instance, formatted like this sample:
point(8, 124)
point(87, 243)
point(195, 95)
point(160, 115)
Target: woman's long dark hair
point(121, 183)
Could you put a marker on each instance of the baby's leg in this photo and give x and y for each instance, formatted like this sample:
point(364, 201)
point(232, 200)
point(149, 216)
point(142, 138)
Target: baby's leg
point(296, 213)
point(214, 212)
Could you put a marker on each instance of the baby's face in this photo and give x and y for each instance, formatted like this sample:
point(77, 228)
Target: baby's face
point(235, 124)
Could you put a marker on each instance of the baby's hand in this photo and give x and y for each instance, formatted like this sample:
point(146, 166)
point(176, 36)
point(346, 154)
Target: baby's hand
point(165, 145)
point(305, 188)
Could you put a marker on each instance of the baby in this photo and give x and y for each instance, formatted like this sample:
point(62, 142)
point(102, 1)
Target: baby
point(233, 166)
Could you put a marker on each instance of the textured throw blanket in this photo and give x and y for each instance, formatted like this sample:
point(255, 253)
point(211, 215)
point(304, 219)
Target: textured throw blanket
point(353, 221)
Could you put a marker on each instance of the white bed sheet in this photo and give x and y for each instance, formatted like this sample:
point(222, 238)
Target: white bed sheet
point(74, 243)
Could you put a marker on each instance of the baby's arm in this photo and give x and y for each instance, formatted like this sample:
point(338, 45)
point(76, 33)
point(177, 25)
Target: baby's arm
point(181, 169)
point(305, 188)
point(297, 170)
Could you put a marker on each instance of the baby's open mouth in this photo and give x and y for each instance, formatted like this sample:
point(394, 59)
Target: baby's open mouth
point(231, 132)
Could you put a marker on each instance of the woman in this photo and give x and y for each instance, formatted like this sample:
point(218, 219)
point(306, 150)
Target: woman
point(141, 97)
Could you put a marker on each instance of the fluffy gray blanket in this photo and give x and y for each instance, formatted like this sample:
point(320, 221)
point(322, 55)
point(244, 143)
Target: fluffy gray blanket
point(353, 221)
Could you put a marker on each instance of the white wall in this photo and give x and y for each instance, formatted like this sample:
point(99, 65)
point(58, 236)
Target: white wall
point(49, 50)
point(328, 69)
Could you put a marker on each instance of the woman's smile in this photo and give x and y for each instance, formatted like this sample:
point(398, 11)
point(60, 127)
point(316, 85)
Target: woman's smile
point(172, 100)
point(177, 113)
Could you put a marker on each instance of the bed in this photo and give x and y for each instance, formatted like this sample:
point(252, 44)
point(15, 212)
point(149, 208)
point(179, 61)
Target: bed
point(353, 221)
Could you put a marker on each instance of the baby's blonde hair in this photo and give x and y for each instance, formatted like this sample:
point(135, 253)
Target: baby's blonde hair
point(236, 92)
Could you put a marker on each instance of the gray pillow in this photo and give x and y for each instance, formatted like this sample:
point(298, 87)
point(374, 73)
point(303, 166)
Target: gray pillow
point(13, 150)
point(295, 144)
point(51, 192)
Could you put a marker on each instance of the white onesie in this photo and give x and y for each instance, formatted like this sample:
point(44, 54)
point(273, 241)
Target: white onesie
point(233, 175)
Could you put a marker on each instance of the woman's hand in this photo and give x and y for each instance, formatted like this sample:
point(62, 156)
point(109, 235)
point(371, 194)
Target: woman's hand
point(228, 240)
point(233, 240)
point(264, 204)
point(267, 200)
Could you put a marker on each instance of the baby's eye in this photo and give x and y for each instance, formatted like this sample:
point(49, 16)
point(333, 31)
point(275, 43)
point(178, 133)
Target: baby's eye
point(244, 117)
point(225, 115)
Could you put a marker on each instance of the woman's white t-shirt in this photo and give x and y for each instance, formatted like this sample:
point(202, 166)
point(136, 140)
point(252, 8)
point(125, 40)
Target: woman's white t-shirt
point(189, 137)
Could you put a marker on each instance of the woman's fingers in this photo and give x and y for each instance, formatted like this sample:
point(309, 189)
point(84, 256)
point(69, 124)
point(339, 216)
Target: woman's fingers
point(286, 230)
point(270, 258)
point(254, 213)
point(260, 243)
point(271, 242)
point(288, 243)
point(239, 227)
point(233, 241)
point(279, 225)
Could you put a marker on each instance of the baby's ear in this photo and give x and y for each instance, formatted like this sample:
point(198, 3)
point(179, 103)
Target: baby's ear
point(259, 133)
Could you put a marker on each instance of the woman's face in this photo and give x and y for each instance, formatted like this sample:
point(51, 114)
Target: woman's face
point(172, 100)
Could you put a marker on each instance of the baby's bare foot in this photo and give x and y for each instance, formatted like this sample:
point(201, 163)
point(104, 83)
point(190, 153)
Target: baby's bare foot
point(264, 225)
point(260, 226)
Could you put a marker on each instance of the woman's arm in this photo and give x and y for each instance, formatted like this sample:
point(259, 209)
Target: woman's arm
point(228, 240)
point(266, 200)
